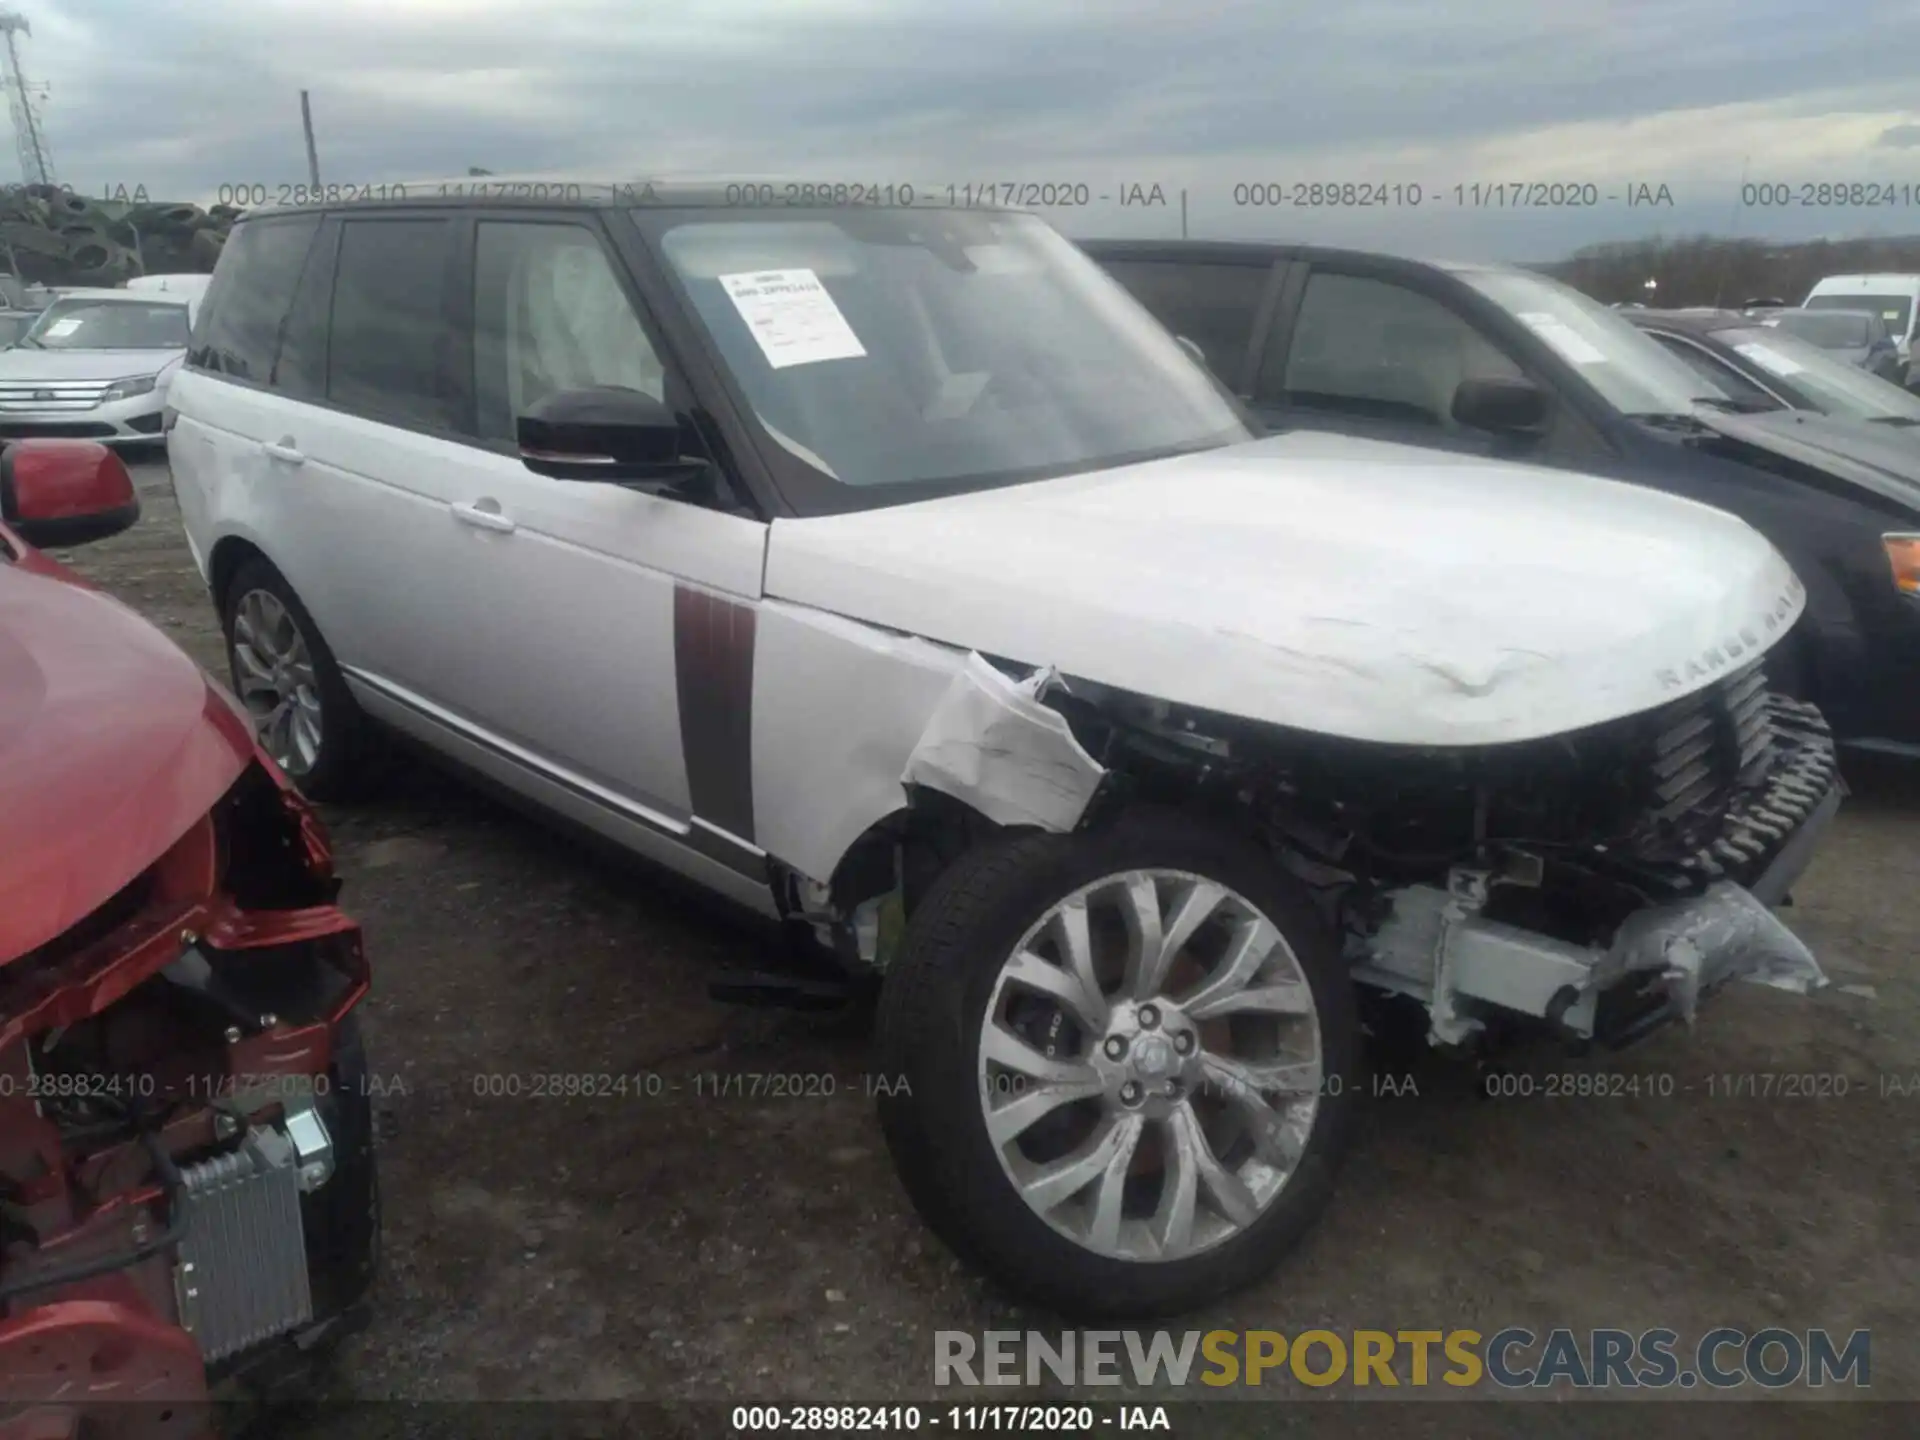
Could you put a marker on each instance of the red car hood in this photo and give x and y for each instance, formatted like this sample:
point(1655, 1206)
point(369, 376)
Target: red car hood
point(112, 745)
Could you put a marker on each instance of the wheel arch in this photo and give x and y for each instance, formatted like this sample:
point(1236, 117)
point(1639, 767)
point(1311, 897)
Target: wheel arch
point(908, 850)
point(1825, 646)
point(909, 847)
point(229, 553)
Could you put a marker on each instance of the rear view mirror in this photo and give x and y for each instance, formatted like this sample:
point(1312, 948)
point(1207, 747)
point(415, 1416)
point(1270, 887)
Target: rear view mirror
point(1505, 407)
point(65, 492)
point(605, 433)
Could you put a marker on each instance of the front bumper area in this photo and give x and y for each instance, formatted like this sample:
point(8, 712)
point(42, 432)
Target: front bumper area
point(1663, 958)
point(206, 1244)
point(136, 421)
point(227, 1300)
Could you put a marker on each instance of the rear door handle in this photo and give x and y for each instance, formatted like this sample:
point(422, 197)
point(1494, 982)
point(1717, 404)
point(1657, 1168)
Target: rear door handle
point(283, 451)
point(485, 514)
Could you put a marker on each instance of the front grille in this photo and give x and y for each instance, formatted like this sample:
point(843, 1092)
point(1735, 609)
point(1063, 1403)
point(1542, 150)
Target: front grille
point(1709, 745)
point(54, 429)
point(51, 397)
point(1729, 773)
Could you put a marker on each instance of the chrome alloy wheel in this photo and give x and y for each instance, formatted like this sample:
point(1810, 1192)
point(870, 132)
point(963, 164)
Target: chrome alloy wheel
point(1150, 1065)
point(273, 674)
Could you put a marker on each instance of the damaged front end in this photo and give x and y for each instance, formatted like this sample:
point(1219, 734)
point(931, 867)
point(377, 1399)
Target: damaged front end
point(186, 1165)
point(1601, 882)
point(1697, 819)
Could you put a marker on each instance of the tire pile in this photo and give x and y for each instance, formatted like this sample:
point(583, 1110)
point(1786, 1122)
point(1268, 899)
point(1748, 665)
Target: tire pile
point(51, 236)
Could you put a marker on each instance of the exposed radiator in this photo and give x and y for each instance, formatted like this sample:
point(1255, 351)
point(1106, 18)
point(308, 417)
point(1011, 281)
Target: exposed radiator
point(243, 1265)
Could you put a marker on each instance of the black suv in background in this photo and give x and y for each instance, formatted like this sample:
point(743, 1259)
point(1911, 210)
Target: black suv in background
point(1494, 360)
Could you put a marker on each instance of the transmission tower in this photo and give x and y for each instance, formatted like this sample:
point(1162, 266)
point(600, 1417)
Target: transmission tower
point(36, 165)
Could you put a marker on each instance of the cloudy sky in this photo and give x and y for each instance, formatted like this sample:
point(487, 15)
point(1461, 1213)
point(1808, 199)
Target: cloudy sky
point(1226, 100)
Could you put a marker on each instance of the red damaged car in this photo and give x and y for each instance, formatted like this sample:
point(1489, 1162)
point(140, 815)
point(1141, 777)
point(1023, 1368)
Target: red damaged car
point(188, 1202)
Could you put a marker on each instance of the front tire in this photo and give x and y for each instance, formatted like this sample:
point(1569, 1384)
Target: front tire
point(1118, 1068)
point(287, 678)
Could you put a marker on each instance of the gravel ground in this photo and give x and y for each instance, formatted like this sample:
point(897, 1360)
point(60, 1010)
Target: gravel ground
point(692, 1247)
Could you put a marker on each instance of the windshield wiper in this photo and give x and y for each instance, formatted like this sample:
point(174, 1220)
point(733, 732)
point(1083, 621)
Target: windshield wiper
point(1738, 407)
point(1673, 420)
point(1903, 421)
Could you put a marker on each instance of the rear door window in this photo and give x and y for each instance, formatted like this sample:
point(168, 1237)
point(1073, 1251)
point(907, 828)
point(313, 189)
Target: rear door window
point(1212, 305)
point(391, 339)
point(300, 369)
point(246, 303)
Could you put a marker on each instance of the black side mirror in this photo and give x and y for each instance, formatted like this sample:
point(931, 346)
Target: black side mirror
point(1505, 407)
point(607, 433)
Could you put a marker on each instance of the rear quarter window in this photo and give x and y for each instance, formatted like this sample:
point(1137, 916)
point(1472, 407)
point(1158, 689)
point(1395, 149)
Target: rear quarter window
point(252, 286)
point(389, 356)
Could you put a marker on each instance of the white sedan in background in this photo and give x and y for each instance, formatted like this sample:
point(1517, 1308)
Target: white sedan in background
point(95, 365)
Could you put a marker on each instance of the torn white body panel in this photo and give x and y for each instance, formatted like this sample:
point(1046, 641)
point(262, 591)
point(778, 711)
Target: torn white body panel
point(855, 714)
point(1342, 586)
point(1724, 932)
point(994, 745)
point(838, 709)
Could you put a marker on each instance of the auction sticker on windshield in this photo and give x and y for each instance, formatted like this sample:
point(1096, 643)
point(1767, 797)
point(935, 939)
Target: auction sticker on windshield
point(64, 327)
point(1768, 358)
point(792, 317)
point(1564, 338)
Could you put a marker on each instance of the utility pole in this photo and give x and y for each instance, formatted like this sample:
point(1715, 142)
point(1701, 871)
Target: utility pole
point(36, 165)
point(313, 155)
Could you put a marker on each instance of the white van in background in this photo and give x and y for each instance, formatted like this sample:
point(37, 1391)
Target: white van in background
point(1894, 298)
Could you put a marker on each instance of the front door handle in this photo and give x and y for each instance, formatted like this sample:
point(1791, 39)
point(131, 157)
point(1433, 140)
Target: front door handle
point(283, 450)
point(485, 514)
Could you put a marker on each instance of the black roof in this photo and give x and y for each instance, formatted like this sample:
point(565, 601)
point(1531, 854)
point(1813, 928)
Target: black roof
point(1702, 321)
point(1265, 252)
point(743, 192)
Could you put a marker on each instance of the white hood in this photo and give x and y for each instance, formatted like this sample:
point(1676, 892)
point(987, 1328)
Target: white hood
point(1342, 586)
point(23, 362)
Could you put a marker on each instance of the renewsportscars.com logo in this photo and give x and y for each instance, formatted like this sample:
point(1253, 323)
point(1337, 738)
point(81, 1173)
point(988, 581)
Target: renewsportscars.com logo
point(1509, 1359)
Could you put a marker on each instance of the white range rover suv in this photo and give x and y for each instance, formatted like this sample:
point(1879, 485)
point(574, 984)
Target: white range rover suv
point(890, 571)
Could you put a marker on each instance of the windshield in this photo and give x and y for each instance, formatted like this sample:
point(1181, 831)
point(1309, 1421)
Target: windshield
point(1833, 386)
point(1829, 329)
point(108, 325)
point(1893, 309)
point(938, 347)
point(1634, 373)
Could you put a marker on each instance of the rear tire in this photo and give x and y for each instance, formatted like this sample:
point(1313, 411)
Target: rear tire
point(1115, 1247)
point(287, 677)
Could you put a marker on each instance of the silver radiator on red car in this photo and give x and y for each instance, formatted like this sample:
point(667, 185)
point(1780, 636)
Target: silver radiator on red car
point(242, 1273)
